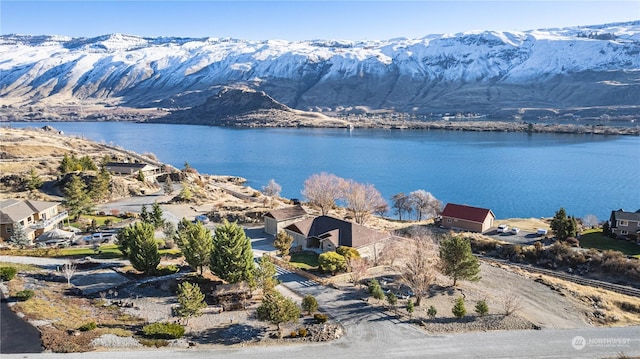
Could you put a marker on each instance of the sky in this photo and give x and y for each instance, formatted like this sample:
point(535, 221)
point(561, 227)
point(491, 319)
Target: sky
point(301, 20)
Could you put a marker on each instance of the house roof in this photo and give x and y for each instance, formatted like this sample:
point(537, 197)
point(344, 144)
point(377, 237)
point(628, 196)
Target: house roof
point(626, 216)
point(284, 214)
point(328, 228)
point(468, 213)
point(129, 165)
point(12, 210)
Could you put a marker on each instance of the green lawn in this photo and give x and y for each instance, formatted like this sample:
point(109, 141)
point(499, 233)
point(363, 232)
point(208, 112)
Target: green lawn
point(108, 251)
point(594, 238)
point(304, 260)
point(99, 220)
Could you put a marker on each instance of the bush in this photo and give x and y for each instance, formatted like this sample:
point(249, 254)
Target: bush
point(302, 332)
point(375, 290)
point(163, 330)
point(168, 269)
point(24, 295)
point(88, 326)
point(154, 342)
point(293, 334)
point(320, 318)
point(7, 273)
point(458, 309)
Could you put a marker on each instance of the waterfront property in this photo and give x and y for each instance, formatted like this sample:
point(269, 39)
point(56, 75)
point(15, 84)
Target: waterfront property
point(133, 168)
point(37, 217)
point(462, 217)
point(277, 220)
point(325, 233)
point(625, 224)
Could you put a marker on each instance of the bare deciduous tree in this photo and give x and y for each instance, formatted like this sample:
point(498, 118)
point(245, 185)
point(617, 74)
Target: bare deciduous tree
point(362, 200)
point(510, 302)
point(68, 270)
point(357, 269)
point(322, 190)
point(590, 221)
point(420, 266)
point(272, 189)
point(401, 203)
point(425, 204)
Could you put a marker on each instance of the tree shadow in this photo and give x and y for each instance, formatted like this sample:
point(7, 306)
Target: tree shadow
point(229, 335)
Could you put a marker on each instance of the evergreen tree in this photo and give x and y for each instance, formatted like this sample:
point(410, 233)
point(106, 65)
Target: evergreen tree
point(33, 181)
point(76, 197)
point(168, 185)
point(156, 215)
point(410, 307)
point(562, 226)
point(282, 242)
point(19, 236)
point(140, 176)
point(392, 299)
point(458, 308)
point(191, 300)
point(143, 248)
point(348, 252)
point(309, 304)
point(266, 274)
point(432, 312)
point(277, 309)
point(185, 192)
point(458, 262)
point(87, 164)
point(66, 165)
point(231, 256)
point(100, 185)
point(145, 216)
point(195, 243)
point(482, 308)
point(375, 290)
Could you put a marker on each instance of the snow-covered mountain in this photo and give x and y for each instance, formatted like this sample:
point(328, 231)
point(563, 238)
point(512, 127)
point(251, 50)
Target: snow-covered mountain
point(483, 71)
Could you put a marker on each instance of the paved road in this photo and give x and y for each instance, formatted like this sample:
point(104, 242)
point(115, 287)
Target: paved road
point(16, 335)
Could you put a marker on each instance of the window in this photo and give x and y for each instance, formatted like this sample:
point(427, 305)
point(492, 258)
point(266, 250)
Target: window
point(624, 233)
point(449, 220)
point(623, 223)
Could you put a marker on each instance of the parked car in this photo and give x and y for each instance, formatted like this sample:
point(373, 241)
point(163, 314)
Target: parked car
point(541, 232)
point(503, 228)
point(201, 218)
point(515, 230)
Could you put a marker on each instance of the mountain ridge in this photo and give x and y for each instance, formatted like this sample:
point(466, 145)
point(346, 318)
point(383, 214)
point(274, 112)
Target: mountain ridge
point(497, 73)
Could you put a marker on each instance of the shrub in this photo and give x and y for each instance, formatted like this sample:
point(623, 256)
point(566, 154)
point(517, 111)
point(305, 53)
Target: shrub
point(88, 326)
point(431, 312)
point(294, 334)
point(458, 309)
point(320, 318)
point(482, 308)
point(163, 330)
point(168, 269)
point(375, 290)
point(7, 273)
point(302, 332)
point(24, 295)
point(154, 342)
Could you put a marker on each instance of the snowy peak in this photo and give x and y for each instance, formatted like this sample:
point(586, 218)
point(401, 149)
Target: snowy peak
point(476, 70)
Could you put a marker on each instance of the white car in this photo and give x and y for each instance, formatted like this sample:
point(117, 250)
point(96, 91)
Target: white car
point(515, 230)
point(503, 228)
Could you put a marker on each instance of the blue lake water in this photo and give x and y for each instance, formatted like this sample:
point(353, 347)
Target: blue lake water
point(514, 174)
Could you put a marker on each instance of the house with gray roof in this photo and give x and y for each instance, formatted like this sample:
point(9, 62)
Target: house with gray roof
point(625, 224)
point(278, 219)
point(132, 169)
point(37, 217)
point(325, 233)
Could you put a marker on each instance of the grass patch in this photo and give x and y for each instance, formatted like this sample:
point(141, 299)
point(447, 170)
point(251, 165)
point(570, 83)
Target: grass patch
point(594, 238)
point(108, 251)
point(100, 220)
point(304, 260)
point(66, 312)
point(21, 267)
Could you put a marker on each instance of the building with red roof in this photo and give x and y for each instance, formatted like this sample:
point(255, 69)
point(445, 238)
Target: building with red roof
point(467, 218)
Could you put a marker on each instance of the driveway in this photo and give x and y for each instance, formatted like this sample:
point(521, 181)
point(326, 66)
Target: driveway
point(16, 335)
point(520, 238)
